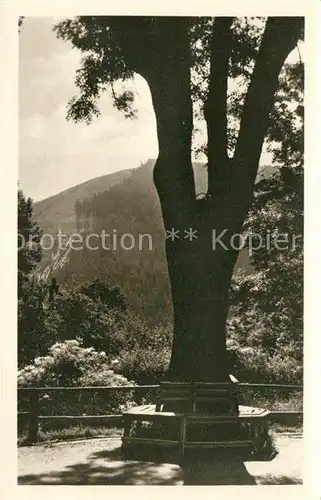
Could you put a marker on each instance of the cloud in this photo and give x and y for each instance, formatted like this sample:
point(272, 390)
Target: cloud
point(37, 126)
point(56, 153)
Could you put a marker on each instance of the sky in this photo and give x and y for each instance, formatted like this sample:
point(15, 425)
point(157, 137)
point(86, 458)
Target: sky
point(55, 154)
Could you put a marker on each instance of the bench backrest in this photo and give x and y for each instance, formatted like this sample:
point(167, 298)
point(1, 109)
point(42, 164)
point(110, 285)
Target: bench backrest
point(194, 395)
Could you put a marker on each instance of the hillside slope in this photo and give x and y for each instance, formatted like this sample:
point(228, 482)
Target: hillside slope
point(58, 211)
point(119, 203)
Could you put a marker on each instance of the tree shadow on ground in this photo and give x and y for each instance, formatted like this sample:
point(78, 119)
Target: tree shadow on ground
point(229, 472)
point(109, 468)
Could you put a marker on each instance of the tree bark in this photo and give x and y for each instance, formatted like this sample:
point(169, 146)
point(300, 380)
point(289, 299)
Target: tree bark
point(215, 108)
point(200, 276)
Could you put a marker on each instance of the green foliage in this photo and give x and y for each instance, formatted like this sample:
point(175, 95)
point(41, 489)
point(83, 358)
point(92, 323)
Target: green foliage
point(266, 312)
point(104, 40)
point(29, 236)
point(255, 364)
point(132, 207)
point(56, 432)
point(284, 138)
point(70, 364)
point(108, 41)
point(145, 354)
point(101, 67)
point(90, 320)
point(109, 296)
point(145, 366)
point(94, 316)
point(33, 337)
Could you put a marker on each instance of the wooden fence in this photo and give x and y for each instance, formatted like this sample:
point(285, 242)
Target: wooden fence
point(34, 414)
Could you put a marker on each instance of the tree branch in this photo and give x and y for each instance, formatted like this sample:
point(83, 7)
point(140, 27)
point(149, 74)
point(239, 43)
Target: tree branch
point(215, 109)
point(158, 48)
point(279, 39)
point(169, 82)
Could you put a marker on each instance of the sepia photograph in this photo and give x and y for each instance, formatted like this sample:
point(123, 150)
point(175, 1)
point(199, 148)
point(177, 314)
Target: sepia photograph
point(160, 250)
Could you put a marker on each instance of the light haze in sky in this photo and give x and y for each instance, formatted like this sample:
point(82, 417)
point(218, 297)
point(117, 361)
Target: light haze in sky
point(55, 153)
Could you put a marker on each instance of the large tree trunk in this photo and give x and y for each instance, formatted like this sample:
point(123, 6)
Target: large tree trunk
point(200, 278)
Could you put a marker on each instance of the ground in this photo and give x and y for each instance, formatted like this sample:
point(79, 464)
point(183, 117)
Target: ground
point(98, 461)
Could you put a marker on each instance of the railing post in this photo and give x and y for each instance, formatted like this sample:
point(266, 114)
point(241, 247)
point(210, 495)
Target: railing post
point(139, 397)
point(34, 414)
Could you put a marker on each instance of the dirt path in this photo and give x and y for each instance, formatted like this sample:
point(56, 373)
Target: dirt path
point(98, 461)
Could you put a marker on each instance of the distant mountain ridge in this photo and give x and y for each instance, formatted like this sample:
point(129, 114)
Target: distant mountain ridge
point(123, 202)
point(58, 211)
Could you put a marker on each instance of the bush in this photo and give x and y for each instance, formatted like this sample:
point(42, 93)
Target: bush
point(94, 314)
point(98, 290)
point(70, 364)
point(74, 315)
point(33, 336)
point(256, 365)
point(144, 365)
point(146, 352)
point(136, 332)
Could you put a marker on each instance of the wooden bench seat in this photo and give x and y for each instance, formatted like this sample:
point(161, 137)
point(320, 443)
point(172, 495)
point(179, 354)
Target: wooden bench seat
point(192, 394)
point(149, 412)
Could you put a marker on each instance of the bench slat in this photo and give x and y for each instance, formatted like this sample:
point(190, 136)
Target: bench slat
point(175, 398)
point(197, 384)
point(216, 444)
point(149, 440)
point(221, 419)
point(150, 413)
point(214, 397)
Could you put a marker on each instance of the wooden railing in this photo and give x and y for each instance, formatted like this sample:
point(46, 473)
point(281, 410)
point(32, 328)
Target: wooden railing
point(34, 414)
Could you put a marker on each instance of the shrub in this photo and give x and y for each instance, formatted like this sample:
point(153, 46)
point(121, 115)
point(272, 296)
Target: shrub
point(70, 364)
point(98, 290)
point(33, 336)
point(74, 315)
point(144, 365)
point(251, 364)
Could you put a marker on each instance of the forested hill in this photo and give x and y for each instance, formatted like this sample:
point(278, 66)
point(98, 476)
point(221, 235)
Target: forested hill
point(119, 203)
point(58, 211)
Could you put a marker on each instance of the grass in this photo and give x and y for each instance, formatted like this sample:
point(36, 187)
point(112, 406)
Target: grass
point(284, 428)
point(292, 402)
point(70, 433)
